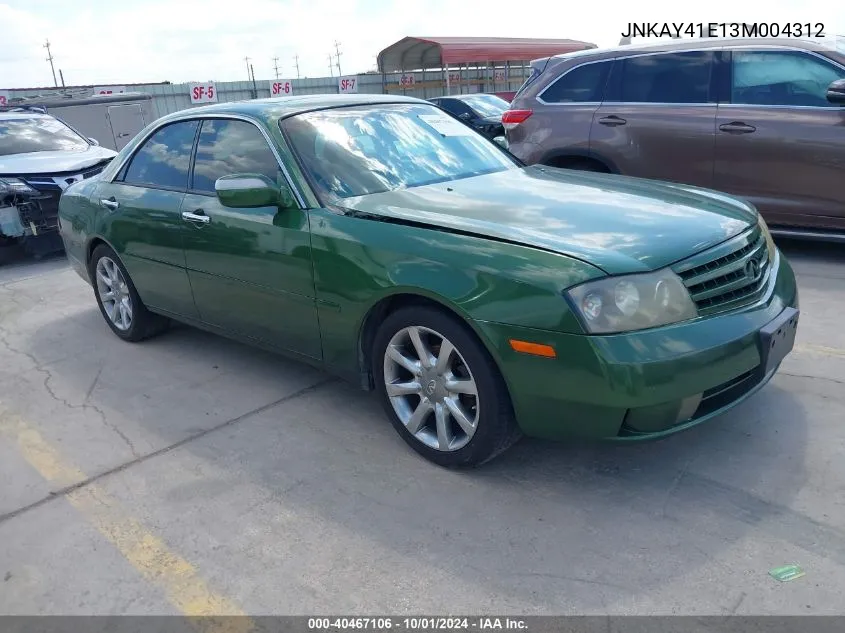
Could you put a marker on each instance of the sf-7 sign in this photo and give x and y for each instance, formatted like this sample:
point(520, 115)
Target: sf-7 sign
point(203, 93)
point(347, 85)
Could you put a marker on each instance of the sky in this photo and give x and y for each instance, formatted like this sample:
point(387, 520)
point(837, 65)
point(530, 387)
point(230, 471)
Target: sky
point(112, 42)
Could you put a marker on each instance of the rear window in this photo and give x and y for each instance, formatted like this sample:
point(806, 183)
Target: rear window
point(663, 78)
point(29, 134)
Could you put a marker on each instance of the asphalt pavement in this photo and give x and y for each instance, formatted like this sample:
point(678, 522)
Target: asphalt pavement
point(192, 474)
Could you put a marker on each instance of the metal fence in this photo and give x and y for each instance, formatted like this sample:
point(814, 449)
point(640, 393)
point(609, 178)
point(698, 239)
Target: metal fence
point(167, 98)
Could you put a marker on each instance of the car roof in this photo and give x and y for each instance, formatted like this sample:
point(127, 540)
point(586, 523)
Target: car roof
point(823, 45)
point(283, 107)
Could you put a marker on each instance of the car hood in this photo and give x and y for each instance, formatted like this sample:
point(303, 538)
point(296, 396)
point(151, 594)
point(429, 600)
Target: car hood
point(53, 162)
point(616, 223)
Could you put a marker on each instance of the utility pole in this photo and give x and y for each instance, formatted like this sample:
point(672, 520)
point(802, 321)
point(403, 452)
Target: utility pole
point(331, 66)
point(254, 87)
point(246, 61)
point(337, 56)
point(50, 59)
point(62, 77)
point(296, 58)
point(276, 66)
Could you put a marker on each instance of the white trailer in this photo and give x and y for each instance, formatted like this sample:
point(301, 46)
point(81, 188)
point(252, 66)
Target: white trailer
point(111, 120)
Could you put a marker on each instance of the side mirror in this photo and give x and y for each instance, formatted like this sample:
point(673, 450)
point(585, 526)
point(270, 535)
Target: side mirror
point(93, 141)
point(501, 141)
point(245, 191)
point(836, 92)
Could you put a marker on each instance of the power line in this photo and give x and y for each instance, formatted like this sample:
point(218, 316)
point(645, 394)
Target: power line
point(337, 56)
point(331, 66)
point(246, 60)
point(276, 66)
point(50, 59)
point(296, 58)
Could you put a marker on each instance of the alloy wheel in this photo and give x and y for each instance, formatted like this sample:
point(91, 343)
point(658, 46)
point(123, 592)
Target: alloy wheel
point(431, 388)
point(114, 293)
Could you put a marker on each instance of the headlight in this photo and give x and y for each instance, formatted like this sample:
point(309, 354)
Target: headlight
point(15, 185)
point(632, 302)
point(770, 243)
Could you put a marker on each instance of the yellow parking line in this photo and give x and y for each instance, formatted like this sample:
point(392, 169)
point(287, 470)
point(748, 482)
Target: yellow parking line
point(147, 553)
point(820, 349)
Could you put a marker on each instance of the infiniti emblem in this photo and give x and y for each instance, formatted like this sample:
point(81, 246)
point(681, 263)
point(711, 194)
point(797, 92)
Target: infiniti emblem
point(430, 387)
point(752, 269)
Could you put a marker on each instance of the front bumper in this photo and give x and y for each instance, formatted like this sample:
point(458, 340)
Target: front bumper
point(640, 385)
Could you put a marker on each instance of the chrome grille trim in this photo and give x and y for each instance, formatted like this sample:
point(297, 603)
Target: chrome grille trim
point(737, 274)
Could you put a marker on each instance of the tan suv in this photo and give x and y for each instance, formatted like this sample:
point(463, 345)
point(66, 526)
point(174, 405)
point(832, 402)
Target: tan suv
point(760, 119)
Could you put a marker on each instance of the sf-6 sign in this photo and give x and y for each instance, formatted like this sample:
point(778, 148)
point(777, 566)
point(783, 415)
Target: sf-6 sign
point(203, 93)
point(347, 85)
point(282, 88)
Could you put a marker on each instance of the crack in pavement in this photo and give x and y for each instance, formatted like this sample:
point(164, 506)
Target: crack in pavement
point(85, 406)
point(825, 378)
point(166, 449)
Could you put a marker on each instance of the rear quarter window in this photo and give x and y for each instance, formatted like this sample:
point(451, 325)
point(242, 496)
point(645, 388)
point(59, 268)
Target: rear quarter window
point(582, 84)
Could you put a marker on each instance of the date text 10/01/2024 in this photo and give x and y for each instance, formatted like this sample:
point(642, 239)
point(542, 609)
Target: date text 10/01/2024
point(418, 623)
point(724, 29)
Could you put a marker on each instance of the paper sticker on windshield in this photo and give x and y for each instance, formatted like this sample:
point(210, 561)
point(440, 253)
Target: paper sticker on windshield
point(446, 125)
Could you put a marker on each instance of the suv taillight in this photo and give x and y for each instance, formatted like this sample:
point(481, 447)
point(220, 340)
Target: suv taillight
point(512, 118)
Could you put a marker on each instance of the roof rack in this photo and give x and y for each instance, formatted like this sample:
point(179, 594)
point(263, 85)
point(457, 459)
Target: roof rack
point(24, 108)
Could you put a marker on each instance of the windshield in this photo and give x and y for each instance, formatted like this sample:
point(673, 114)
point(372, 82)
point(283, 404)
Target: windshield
point(362, 150)
point(37, 134)
point(487, 105)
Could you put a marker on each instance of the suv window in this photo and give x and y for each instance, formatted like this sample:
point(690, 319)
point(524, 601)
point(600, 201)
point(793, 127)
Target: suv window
point(663, 78)
point(582, 84)
point(228, 147)
point(785, 78)
point(164, 160)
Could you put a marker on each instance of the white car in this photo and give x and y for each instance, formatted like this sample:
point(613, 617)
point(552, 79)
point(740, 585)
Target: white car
point(40, 156)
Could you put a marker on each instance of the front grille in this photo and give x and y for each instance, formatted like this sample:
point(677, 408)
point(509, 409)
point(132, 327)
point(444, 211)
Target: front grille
point(736, 275)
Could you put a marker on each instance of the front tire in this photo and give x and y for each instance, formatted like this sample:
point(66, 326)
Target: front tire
point(118, 299)
point(441, 389)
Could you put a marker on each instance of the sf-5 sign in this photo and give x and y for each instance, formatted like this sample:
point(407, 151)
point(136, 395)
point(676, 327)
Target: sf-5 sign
point(203, 93)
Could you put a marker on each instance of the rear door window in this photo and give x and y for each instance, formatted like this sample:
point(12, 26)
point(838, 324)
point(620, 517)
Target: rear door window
point(781, 78)
point(663, 78)
point(165, 158)
point(582, 84)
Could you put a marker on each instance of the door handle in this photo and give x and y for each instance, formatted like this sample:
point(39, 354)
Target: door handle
point(612, 120)
point(109, 203)
point(197, 216)
point(737, 127)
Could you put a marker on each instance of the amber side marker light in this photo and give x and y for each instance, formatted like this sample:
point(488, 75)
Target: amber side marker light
point(535, 349)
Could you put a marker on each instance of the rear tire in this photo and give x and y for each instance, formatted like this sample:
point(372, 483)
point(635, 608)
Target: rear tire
point(118, 299)
point(454, 410)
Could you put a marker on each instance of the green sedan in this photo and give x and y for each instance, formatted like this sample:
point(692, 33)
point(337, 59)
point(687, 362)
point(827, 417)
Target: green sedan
point(382, 240)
